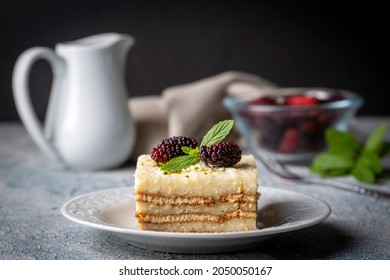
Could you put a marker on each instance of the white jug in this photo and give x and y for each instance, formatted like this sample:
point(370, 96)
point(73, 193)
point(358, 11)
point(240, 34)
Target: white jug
point(88, 124)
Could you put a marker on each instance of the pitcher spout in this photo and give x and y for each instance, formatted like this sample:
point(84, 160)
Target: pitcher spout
point(123, 44)
point(114, 45)
point(99, 41)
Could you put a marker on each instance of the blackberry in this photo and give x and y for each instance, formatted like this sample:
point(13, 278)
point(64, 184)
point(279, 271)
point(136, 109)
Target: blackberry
point(221, 154)
point(170, 148)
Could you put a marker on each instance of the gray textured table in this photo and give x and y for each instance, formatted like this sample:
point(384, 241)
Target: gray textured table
point(33, 189)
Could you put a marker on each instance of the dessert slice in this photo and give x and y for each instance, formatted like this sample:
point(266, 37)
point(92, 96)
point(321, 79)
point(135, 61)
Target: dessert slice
point(199, 198)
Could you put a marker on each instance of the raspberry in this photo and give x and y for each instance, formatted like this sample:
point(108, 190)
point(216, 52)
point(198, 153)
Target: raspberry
point(298, 100)
point(170, 148)
point(290, 141)
point(221, 154)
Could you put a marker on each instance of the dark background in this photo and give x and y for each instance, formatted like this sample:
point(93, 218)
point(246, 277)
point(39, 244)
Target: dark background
point(321, 43)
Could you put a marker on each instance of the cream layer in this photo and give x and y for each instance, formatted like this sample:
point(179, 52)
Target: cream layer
point(159, 199)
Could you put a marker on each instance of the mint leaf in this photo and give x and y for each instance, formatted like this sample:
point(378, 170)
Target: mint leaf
point(363, 173)
point(190, 151)
point(179, 163)
point(371, 160)
point(374, 141)
point(332, 164)
point(339, 141)
point(346, 156)
point(217, 133)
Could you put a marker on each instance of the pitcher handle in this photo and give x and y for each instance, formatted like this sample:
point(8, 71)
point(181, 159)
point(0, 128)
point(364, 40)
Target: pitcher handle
point(20, 86)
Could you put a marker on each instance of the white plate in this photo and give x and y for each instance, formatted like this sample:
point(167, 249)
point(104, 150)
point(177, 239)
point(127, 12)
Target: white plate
point(113, 211)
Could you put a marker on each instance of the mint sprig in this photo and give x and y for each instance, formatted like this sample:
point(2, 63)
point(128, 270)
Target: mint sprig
point(190, 151)
point(346, 155)
point(179, 163)
point(216, 134)
point(374, 141)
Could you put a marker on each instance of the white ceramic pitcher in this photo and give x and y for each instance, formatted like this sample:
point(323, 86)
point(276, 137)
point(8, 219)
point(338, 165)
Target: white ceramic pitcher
point(88, 124)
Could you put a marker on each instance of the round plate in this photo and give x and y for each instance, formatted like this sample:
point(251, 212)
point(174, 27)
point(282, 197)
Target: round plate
point(113, 211)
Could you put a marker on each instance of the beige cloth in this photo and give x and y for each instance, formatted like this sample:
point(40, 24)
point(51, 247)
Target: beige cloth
point(188, 110)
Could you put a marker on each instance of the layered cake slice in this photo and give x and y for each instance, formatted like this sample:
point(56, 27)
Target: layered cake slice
point(181, 187)
point(197, 199)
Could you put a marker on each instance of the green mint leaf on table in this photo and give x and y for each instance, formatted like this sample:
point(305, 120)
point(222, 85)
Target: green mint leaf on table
point(180, 163)
point(217, 133)
point(346, 155)
point(367, 166)
point(332, 164)
point(371, 160)
point(374, 141)
point(339, 141)
point(363, 173)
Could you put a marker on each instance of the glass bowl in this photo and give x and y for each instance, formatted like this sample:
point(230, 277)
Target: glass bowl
point(290, 123)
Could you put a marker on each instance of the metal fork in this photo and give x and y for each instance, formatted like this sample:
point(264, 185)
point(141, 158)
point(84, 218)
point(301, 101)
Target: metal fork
point(279, 169)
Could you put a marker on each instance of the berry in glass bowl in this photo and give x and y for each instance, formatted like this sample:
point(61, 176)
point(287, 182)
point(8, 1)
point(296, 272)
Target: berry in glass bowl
point(290, 123)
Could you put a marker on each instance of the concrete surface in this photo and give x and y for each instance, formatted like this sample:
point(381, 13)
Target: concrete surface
point(33, 189)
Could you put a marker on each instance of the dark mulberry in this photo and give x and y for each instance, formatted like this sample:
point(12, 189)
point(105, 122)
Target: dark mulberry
point(170, 148)
point(221, 154)
point(264, 100)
